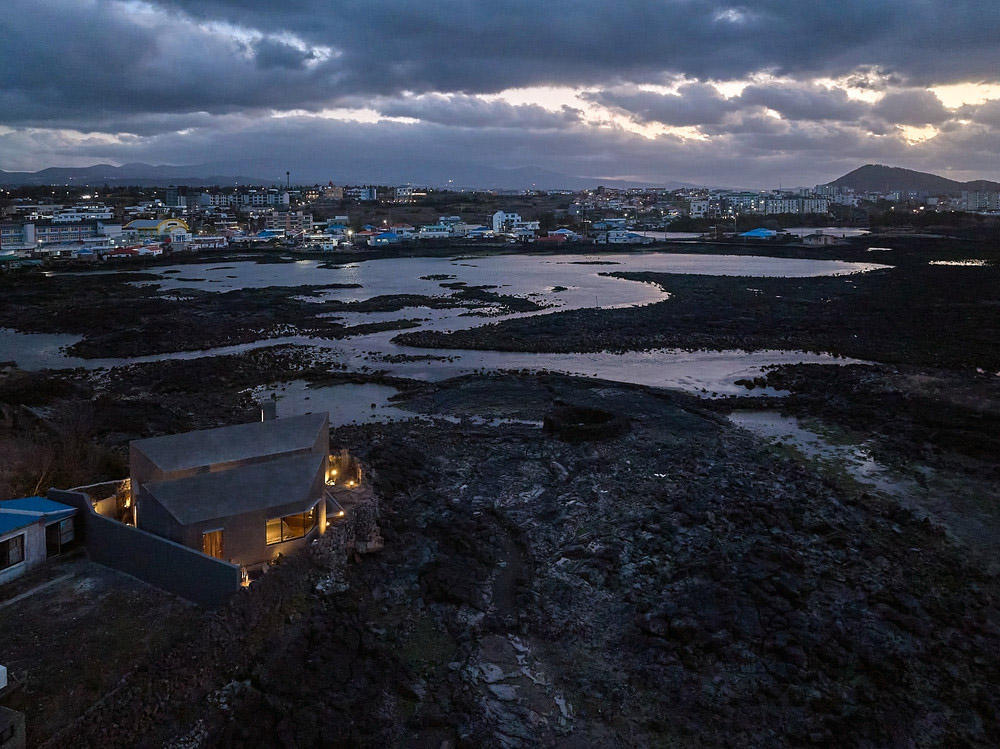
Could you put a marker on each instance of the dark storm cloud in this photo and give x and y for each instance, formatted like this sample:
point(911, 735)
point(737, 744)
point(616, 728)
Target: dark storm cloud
point(699, 104)
point(693, 104)
point(125, 56)
point(476, 46)
point(987, 113)
point(271, 53)
point(182, 81)
point(804, 102)
point(316, 149)
point(70, 63)
point(471, 111)
point(911, 108)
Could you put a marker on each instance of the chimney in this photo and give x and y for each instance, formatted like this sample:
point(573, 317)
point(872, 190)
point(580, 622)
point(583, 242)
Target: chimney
point(268, 410)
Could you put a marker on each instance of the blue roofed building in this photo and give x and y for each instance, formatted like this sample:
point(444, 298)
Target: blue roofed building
point(32, 530)
point(759, 234)
point(384, 238)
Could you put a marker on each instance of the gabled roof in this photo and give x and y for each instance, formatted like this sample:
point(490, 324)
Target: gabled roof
point(20, 513)
point(284, 483)
point(177, 452)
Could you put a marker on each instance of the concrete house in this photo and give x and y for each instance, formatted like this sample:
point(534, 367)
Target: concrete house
point(32, 530)
point(242, 493)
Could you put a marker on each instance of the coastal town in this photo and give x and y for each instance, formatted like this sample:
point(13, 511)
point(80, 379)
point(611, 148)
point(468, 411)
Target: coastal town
point(90, 224)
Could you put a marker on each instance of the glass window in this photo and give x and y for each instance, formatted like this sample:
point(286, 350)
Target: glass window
point(11, 551)
point(291, 526)
point(274, 530)
point(66, 530)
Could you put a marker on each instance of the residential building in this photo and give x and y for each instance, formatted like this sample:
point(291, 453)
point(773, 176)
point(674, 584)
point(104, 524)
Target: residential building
point(362, 194)
point(384, 238)
point(622, 236)
point(819, 239)
point(981, 200)
point(403, 194)
point(242, 493)
point(82, 212)
point(513, 225)
point(181, 197)
point(434, 231)
point(699, 208)
point(32, 530)
point(247, 199)
point(290, 222)
point(502, 221)
point(31, 235)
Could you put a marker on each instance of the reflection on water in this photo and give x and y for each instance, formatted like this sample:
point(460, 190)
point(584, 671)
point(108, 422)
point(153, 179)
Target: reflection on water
point(37, 350)
point(349, 403)
point(578, 276)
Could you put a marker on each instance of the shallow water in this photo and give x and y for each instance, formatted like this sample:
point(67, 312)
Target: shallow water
point(348, 403)
point(855, 459)
point(534, 276)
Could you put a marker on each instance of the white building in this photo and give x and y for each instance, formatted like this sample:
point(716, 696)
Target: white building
point(699, 208)
point(434, 231)
point(32, 530)
point(502, 219)
point(247, 199)
point(513, 225)
point(981, 200)
point(362, 194)
point(82, 212)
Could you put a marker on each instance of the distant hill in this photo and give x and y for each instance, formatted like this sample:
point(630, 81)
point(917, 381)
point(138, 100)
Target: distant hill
point(347, 171)
point(878, 178)
point(141, 175)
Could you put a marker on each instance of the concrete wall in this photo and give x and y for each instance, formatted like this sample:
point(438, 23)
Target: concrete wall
point(157, 561)
point(34, 550)
point(13, 718)
point(151, 516)
point(141, 469)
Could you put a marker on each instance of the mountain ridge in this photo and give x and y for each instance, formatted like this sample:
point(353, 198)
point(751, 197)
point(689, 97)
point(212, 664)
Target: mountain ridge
point(881, 178)
point(455, 175)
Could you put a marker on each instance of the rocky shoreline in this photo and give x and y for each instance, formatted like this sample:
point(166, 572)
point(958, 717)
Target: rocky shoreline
point(930, 315)
point(668, 581)
point(681, 584)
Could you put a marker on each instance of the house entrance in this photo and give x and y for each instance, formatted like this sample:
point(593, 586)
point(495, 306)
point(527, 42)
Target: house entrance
point(211, 544)
point(57, 536)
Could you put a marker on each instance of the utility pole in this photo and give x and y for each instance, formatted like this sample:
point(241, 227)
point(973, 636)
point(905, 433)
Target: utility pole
point(288, 180)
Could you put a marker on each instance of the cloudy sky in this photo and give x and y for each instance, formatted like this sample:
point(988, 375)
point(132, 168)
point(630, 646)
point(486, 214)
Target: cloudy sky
point(755, 94)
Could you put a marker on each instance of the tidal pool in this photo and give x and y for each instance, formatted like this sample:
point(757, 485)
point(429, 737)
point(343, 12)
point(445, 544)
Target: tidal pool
point(533, 276)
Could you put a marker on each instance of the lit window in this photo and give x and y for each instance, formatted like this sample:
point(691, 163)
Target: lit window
point(290, 527)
